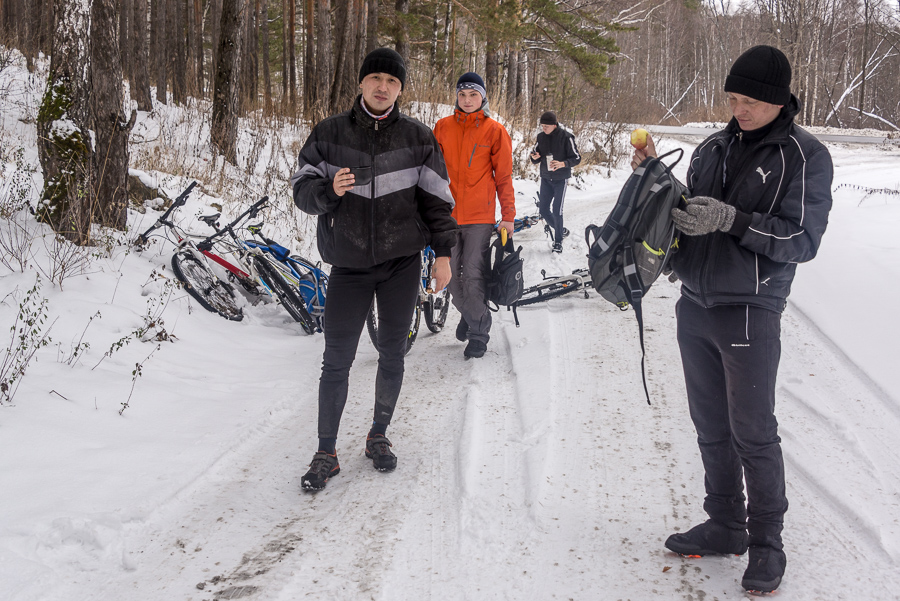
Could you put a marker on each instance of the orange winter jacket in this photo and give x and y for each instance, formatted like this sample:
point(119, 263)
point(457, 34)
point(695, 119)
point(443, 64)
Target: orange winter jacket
point(478, 154)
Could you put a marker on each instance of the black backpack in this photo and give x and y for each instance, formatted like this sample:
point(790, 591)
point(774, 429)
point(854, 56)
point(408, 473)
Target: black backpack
point(633, 247)
point(506, 283)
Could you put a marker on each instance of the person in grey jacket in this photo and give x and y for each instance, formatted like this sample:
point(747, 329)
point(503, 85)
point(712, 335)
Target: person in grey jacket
point(760, 198)
point(376, 179)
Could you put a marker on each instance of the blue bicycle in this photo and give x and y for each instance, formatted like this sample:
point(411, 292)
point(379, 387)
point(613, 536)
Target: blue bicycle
point(300, 285)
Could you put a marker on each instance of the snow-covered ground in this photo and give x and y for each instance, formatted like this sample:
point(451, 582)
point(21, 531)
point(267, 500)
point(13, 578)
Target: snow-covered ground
point(537, 472)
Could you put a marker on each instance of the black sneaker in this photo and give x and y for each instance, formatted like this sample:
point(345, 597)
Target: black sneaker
point(475, 349)
point(462, 330)
point(708, 538)
point(322, 467)
point(557, 247)
point(765, 569)
point(378, 449)
point(565, 233)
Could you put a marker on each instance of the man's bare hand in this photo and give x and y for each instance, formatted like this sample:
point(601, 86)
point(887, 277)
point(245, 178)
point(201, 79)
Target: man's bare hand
point(647, 151)
point(441, 273)
point(343, 181)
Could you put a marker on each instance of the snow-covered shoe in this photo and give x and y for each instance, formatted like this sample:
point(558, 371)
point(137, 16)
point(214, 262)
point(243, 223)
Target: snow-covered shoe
point(765, 569)
point(322, 467)
point(462, 330)
point(708, 538)
point(378, 449)
point(475, 349)
point(557, 247)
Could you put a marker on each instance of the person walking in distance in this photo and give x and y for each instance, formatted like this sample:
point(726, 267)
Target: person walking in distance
point(760, 198)
point(557, 153)
point(377, 182)
point(478, 153)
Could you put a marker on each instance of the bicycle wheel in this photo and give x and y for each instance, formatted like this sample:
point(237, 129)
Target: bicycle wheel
point(212, 293)
point(549, 290)
point(288, 295)
point(372, 325)
point(435, 309)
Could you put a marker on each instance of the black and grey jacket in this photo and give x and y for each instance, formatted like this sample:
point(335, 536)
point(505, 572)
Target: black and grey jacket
point(405, 206)
point(781, 189)
point(561, 144)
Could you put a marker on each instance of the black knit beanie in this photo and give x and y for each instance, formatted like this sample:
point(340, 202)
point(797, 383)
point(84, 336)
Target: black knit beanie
point(549, 118)
point(762, 73)
point(384, 60)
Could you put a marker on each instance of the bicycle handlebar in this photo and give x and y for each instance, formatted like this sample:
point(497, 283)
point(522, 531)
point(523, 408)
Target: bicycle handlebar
point(164, 218)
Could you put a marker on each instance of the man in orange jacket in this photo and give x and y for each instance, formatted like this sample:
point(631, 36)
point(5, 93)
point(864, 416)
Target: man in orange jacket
point(478, 154)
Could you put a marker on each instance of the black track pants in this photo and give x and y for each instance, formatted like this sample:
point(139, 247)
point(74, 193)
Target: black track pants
point(730, 356)
point(395, 284)
point(553, 191)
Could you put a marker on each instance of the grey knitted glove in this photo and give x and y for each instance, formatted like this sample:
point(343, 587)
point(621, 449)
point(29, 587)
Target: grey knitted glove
point(704, 215)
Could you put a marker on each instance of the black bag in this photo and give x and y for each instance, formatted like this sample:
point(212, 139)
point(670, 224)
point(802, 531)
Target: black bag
point(633, 247)
point(506, 283)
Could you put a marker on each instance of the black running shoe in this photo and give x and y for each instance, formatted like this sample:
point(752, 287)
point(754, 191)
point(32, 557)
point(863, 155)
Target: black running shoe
point(462, 330)
point(765, 569)
point(322, 467)
point(378, 449)
point(557, 247)
point(708, 538)
point(475, 349)
point(565, 233)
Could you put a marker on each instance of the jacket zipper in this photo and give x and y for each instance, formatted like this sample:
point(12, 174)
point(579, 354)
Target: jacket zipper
point(372, 200)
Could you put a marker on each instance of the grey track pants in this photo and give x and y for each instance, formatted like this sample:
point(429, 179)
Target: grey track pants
point(468, 286)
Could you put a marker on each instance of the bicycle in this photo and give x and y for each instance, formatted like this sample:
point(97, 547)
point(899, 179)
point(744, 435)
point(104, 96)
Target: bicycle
point(307, 283)
point(433, 305)
point(192, 260)
point(554, 287)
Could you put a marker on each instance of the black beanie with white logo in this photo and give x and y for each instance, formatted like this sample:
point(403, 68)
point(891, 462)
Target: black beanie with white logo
point(384, 60)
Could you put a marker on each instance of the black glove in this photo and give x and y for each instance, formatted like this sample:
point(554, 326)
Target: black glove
point(704, 215)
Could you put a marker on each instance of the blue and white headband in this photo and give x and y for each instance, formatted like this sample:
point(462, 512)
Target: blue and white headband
point(471, 85)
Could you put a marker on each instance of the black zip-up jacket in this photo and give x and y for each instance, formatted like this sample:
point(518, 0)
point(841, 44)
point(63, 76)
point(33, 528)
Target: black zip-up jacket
point(782, 193)
point(405, 206)
point(561, 144)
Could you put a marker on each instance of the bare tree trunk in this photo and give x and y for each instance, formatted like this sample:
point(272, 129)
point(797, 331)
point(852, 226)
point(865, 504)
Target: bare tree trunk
point(310, 92)
point(249, 62)
point(267, 76)
point(65, 152)
point(292, 55)
point(162, 44)
point(285, 53)
point(140, 90)
point(226, 97)
point(125, 24)
point(401, 37)
point(179, 54)
point(343, 37)
point(198, 46)
point(215, 19)
point(324, 54)
point(372, 26)
point(512, 81)
point(110, 127)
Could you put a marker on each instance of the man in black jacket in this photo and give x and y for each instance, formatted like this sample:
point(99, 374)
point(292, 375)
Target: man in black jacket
point(557, 154)
point(761, 194)
point(376, 179)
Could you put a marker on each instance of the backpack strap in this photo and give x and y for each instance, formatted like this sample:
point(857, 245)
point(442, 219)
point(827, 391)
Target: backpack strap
point(635, 294)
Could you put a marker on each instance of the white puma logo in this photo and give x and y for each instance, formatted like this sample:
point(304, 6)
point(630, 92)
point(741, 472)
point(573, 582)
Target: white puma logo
point(764, 175)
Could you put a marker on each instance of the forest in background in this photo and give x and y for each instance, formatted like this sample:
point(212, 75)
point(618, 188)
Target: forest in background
point(609, 62)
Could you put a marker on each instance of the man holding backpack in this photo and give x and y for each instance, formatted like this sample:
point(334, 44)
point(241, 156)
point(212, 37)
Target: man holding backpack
point(478, 153)
point(760, 197)
point(557, 154)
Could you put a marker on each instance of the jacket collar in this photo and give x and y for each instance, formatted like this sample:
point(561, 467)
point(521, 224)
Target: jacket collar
point(366, 120)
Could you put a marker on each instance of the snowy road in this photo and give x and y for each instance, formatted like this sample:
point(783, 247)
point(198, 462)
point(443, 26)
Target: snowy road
point(538, 472)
